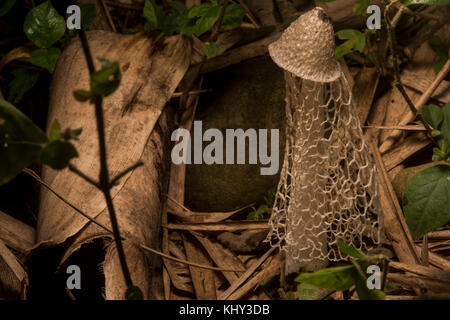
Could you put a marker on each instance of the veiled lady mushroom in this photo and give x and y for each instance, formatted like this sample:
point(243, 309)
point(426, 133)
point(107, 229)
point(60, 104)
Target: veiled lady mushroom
point(328, 186)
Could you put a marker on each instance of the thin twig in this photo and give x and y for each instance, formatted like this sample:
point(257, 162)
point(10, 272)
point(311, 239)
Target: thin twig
point(425, 258)
point(116, 179)
point(249, 14)
point(108, 16)
point(191, 93)
point(35, 176)
point(83, 176)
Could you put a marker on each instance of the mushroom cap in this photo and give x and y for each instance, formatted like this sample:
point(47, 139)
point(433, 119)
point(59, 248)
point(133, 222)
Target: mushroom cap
point(306, 48)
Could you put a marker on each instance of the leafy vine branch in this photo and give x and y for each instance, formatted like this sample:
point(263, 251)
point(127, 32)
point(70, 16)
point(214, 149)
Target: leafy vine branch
point(104, 184)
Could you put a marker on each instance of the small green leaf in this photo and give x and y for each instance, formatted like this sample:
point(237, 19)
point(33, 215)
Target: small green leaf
point(364, 293)
point(428, 195)
point(338, 278)
point(178, 7)
point(82, 95)
point(402, 178)
point(88, 13)
point(6, 6)
point(350, 250)
point(357, 36)
point(433, 115)
point(199, 10)
point(345, 48)
point(441, 50)
point(211, 48)
point(44, 25)
point(105, 81)
point(22, 82)
point(70, 134)
point(207, 20)
point(153, 15)
point(55, 131)
point(134, 293)
point(45, 58)
point(234, 14)
point(170, 23)
point(21, 141)
point(307, 291)
point(360, 8)
point(58, 153)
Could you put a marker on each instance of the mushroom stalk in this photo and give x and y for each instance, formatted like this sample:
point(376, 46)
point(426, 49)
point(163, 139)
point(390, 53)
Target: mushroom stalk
point(328, 186)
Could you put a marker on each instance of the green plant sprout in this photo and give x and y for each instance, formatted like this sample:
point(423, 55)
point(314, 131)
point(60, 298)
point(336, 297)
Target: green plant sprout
point(345, 277)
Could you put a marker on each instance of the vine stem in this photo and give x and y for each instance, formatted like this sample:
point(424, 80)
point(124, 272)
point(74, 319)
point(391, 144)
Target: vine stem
point(104, 183)
point(397, 79)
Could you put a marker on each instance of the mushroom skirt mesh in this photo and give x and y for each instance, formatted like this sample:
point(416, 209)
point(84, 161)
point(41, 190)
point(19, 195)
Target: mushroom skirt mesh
point(328, 186)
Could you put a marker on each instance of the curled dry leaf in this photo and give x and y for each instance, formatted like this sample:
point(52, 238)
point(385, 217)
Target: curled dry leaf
point(136, 129)
point(13, 277)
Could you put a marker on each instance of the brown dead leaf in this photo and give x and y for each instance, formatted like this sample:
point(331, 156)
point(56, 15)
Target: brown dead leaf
point(150, 76)
point(16, 234)
point(13, 277)
point(222, 257)
point(203, 280)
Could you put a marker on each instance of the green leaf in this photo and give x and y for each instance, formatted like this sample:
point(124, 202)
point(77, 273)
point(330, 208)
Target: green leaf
point(70, 134)
point(82, 95)
point(234, 14)
point(207, 20)
point(134, 293)
point(170, 24)
point(88, 13)
point(105, 81)
point(350, 250)
point(58, 153)
point(357, 36)
point(402, 178)
point(430, 2)
point(307, 291)
point(153, 15)
point(428, 195)
point(338, 278)
point(345, 48)
point(441, 50)
point(45, 58)
point(55, 131)
point(445, 126)
point(22, 82)
point(178, 7)
point(360, 8)
point(364, 293)
point(44, 25)
point(21, 141)
point(211, 48)
point(433, 115)
point(199, 10)
point(6, 6)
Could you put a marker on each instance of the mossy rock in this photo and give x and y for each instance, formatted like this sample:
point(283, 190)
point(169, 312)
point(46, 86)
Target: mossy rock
point(247, 95)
